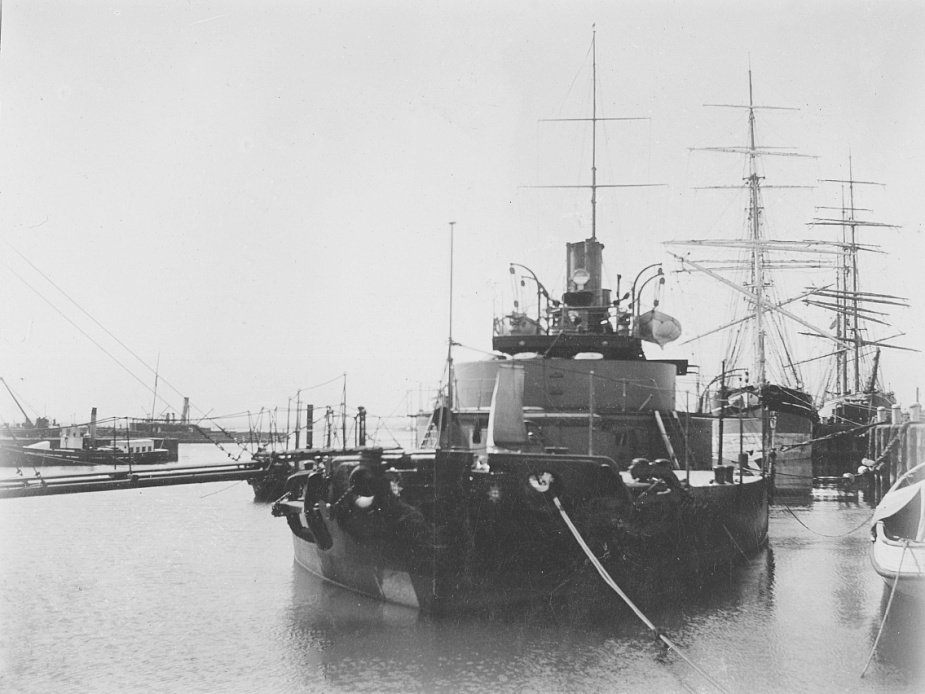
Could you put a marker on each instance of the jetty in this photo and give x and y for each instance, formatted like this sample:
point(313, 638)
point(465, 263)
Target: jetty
point(896, 444)
point(46, 485)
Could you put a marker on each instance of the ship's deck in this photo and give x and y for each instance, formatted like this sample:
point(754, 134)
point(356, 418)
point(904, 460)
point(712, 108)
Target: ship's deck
point(699, 478)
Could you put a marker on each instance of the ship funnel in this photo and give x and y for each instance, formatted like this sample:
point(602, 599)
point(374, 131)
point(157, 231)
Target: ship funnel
point(506, 428)
point(184, 418)
point(93, 427)
point(584, 268)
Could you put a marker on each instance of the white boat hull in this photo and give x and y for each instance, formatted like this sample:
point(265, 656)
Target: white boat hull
point(899, 561)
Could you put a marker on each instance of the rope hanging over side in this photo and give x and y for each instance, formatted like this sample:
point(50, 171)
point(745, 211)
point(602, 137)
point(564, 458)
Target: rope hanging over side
point(886, 612)
point(838, 434)
point(816, 532)
point(619, 591)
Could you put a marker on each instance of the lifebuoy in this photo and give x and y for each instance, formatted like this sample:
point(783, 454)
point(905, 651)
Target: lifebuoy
point(364, 487)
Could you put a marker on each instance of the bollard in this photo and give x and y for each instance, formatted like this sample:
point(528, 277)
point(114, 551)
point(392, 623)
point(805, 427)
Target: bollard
point(896, 414)
point(719, 474)
point(915, 412)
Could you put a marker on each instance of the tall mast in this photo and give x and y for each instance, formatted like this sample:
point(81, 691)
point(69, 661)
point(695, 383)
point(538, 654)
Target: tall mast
point(850, 301)
point(855, 327)
point(756, 249)
point(593, 133)
point(10, 391)
point(449, 352)
point(842, 299)
point(757, 259)
point(594, 121)
point(156, 370)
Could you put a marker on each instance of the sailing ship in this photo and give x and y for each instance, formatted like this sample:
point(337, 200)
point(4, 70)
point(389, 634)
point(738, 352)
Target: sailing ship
point(853, 391)
point(768, 417)
point(524, 444)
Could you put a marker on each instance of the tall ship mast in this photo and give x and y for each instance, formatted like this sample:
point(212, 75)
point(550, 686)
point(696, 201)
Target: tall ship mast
point(853, 390)
point(768, 418)
point(588, 384)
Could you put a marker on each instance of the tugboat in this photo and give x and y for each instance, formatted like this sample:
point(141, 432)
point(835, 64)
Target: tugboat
point(520, 448)
point(79, 446)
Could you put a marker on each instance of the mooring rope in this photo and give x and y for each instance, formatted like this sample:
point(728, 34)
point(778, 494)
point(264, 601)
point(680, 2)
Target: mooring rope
point(613, 584)
point(233, 484)
point(848, 432)
point(816, 532)
point(886, 612)
point(734, 543)
point(889, 446)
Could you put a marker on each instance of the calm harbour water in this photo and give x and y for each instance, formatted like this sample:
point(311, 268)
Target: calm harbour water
point(193, 589)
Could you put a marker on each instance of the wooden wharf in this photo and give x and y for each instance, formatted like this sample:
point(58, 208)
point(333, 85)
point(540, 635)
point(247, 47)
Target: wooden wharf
point(46, 485)
point(896, 445)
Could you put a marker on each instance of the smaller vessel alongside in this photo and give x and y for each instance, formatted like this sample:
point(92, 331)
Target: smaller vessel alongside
point(77, 445)
point(897, 550)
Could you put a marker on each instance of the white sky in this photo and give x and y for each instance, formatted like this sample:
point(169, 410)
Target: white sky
point(258, 193)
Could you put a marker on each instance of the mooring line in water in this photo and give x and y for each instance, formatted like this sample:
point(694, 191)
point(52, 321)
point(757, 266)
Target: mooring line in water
point(816, 532)
point(619, 591)
point(886, 612)
point(221, 490)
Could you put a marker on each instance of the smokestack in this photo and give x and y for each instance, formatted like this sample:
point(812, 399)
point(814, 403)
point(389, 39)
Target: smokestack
point(184, 418)
point(93, 428)
point(309, 438)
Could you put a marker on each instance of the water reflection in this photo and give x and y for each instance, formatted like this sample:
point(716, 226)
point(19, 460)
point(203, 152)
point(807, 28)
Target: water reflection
point(193, 588)
point(901, 650)
point(585, 640)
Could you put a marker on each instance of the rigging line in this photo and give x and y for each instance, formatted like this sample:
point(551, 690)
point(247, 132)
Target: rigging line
point(577, 75)
point(383, 425)
point(84, 311)
point(69, 298)
point(788, 356)
point(222, 489)
point(336, 378)
point(480, 351)
point(815, 532)
point(81, 330)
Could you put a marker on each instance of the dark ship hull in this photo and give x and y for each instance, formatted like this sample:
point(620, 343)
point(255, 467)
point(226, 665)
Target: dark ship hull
point(843, 437)
point(773, 422)
point(429, 532)
point(162, 451)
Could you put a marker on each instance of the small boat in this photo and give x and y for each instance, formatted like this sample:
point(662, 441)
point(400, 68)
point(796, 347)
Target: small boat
point(135, 451)
point(78, 445)
point(520, 449)
point(897, 550)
